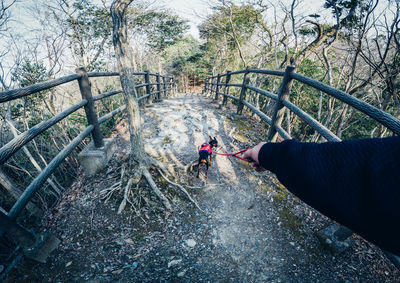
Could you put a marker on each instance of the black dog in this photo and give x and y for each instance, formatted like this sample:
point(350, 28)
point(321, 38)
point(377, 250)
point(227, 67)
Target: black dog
point(205, 153)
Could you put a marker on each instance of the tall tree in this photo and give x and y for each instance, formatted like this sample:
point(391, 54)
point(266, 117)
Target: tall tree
point(139, 161)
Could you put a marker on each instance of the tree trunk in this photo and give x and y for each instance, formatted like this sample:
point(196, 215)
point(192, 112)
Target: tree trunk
point(139, 161)
point(124, 61)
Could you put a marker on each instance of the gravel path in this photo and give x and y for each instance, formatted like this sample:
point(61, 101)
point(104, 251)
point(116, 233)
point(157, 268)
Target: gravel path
point(251, 230)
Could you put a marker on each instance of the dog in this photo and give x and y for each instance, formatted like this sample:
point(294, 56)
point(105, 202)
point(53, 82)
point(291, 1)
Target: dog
point(205, 154)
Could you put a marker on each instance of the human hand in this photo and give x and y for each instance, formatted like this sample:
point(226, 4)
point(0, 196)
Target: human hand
point(252, 156)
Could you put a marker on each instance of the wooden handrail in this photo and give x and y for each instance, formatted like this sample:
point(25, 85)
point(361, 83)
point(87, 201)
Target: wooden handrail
point(282, 99)
point(378, 115)
point(18, 142)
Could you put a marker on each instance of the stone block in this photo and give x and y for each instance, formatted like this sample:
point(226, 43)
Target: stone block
point(335, 238)
point(93, 159)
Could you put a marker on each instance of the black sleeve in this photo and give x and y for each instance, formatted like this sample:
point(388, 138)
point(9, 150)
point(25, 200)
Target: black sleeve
point(356, 182)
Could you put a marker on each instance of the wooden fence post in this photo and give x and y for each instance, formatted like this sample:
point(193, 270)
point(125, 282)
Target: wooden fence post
point(283, 94)
point(226, 90)
point(164, 86)
point(148, 88)
point(217, 87)
point(158, 88)
point(242, 97)
point(90, 111)
point(205, 86)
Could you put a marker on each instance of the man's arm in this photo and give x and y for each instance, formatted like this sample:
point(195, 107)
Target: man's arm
point(356, 183)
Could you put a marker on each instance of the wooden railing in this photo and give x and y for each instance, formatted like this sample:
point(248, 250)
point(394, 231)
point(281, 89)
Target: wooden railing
point(163, 85)
point(282, 98)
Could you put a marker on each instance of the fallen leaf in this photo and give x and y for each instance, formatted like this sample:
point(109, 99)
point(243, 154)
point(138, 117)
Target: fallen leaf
point(68, 264)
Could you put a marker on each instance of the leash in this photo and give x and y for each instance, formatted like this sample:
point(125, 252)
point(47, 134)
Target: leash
point(234, 154)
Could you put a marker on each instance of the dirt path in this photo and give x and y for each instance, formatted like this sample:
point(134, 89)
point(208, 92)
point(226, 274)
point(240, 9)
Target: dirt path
point(251, 230)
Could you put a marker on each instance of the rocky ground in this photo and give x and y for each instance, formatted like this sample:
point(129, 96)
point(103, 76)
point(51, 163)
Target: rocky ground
point(251, 229)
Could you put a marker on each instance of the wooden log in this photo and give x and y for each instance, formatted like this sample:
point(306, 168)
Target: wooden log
point(42, 177)
point(112, 114)
point(90, 111)
point(106, 94)
point(263, 92)
point(17, 143)
point(267, 72)
point(312, 122)
point(102, 74)
point(21, 92)
point(378, 115)
point(264, 117)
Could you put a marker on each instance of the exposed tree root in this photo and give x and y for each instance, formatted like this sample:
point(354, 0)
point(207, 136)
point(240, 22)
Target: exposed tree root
point(156, 190)
point(132, 174)
point(182, 189)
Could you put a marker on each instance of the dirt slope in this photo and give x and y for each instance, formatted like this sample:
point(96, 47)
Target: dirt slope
point(251, 230)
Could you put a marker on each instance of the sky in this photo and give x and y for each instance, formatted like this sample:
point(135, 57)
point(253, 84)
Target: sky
point(194, 11)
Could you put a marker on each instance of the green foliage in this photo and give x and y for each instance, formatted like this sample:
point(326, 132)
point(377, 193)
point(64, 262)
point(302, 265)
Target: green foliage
point(29, 73)
point(185, 56)
point(161, 28)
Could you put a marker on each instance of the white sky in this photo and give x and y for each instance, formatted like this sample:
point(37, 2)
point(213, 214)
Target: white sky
point(194, 11)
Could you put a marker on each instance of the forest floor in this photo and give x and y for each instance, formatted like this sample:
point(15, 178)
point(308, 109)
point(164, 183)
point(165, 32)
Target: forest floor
point(251, 230)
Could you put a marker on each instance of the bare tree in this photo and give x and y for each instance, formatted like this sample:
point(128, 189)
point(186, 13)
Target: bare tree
point(139, 161)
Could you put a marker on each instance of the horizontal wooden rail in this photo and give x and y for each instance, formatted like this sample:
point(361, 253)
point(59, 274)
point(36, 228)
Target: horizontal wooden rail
point(111, 114)
point(312, 122)
point(106, 94)
point(235, 85)
point(42, 177)
point(102, 74)
point(143, 97)
point(378, 115)
point(264, 117)
point(21, 92)
point(18, 142)
point(282, 132)
point(232, 97)
point(263, 92)
point(267, 72)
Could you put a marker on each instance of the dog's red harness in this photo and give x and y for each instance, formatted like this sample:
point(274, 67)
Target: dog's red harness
point(207, 147)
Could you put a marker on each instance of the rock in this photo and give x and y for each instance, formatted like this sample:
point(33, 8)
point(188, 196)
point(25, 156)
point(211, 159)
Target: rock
point(174, 262)
point(117, 271)
point(182, 273)
point(190, 243)
point(129, 241)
